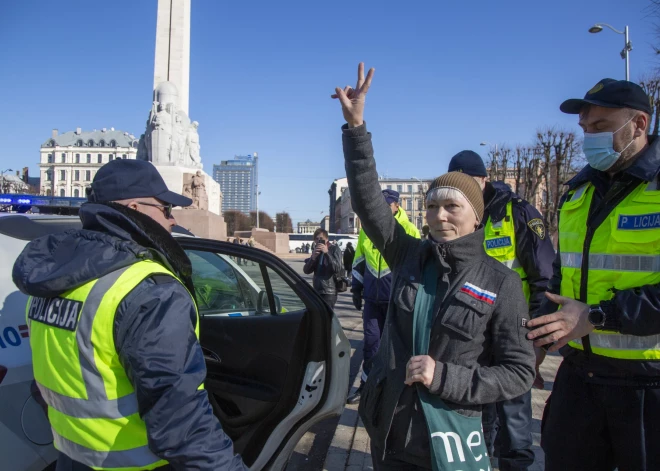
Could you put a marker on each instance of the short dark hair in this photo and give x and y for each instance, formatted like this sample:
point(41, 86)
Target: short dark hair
point(320, 231)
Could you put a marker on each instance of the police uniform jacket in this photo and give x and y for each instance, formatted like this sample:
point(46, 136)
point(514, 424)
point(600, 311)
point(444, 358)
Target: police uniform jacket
point(180, 423)
point(534, 249)
point(633, 311)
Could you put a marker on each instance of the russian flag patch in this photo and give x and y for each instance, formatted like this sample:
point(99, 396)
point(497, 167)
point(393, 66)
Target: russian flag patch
point(478, 293)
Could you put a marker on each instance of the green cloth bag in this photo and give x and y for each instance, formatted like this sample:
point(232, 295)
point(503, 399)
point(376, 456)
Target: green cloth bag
point(457, 442)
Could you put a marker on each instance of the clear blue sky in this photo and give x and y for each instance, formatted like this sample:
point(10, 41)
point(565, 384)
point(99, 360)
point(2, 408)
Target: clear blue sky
point(448, 76)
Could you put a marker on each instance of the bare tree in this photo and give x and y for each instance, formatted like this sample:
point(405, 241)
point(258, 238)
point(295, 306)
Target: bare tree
point(651, 85)
point(283, 222)
point(560, 158)
point(498, 163)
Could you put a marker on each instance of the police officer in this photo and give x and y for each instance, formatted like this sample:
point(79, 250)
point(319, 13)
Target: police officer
point(516, 236)
point(371, 281)
point(604, 408)
point(114, 333)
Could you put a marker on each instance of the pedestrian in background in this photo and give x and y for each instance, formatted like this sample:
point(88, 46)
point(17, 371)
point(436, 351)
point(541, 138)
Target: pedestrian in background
point(349, 254)
point(515, 235)
point(325, 264)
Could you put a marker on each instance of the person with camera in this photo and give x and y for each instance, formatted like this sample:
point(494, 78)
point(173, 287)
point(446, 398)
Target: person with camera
point(326, 264)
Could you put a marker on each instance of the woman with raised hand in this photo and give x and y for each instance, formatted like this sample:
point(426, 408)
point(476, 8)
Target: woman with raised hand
point(455, 332)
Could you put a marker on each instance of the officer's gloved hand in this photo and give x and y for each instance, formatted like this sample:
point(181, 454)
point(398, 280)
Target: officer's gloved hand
point(357, 299)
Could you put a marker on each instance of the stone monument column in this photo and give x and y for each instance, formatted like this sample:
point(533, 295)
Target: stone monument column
point(172, 62)
point(171, 140)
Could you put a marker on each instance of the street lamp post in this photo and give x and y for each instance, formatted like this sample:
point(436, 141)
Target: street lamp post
point(486, 143)
point(413, 202)
point(627, 46)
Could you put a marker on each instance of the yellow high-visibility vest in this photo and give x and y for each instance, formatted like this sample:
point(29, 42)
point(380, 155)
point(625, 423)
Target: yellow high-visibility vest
point(367, 252)
point(622, 253)
point(92, 406)
point(500, 243)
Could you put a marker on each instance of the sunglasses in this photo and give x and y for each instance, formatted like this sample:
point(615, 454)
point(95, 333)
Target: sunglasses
point(167, 208)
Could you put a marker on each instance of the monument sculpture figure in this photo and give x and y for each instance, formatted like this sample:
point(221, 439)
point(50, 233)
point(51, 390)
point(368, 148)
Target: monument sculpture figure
point(170, 137)
point(198, 190)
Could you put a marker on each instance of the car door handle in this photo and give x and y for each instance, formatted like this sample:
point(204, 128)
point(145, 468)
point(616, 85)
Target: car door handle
point(211, 356)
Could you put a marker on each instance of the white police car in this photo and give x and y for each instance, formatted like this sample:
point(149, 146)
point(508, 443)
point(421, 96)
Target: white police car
point(277, 358)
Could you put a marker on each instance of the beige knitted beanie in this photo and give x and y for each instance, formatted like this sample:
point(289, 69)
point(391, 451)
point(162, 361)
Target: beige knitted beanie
point(466, 185)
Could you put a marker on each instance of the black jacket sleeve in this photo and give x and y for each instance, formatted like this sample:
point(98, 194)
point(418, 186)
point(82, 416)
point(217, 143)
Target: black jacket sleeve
point(310, 265)
point(534, 251)
point(157, 315)
point(334, 259)
point(634, 311)
point(554, 285)
point(389, 237)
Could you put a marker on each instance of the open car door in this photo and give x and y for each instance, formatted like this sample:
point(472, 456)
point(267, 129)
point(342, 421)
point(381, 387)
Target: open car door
point(277, 358)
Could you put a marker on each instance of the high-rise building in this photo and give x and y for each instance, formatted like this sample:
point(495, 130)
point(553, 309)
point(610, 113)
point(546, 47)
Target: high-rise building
point(239, 183)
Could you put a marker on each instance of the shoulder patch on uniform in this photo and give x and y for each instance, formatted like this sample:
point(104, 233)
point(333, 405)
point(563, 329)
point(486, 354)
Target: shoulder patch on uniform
point(537, 226)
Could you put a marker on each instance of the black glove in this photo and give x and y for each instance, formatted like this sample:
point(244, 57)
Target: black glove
point(357, 300)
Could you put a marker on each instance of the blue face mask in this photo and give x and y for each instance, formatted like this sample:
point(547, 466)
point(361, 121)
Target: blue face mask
point(599, 148)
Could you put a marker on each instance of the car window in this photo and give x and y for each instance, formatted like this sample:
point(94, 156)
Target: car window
point(289, 299)
point(235, 286)
point(219, 287)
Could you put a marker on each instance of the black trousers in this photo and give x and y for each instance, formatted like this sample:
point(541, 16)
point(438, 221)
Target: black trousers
point(511, 422)
point(593, 427)
point(331, 299)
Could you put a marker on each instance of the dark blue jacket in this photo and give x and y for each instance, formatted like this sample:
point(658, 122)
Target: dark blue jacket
point(154, 328)
point(534, 248)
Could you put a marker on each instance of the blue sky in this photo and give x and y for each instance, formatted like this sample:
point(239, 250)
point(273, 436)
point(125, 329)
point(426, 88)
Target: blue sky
point(448, 76)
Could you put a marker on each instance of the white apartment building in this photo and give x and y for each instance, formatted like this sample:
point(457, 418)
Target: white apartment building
point(411, 199)
point(69, 161)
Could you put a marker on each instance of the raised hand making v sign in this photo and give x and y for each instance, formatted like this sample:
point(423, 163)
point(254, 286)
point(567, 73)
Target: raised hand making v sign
point(352, 99)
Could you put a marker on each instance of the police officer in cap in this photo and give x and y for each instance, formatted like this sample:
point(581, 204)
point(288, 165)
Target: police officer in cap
point(114, 333)
point(515, 235)
point(604, 408)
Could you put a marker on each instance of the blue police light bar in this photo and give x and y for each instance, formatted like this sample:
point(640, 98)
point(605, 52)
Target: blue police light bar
point(34, 200)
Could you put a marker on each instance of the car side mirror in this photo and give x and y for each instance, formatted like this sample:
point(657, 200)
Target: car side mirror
point(263, 307)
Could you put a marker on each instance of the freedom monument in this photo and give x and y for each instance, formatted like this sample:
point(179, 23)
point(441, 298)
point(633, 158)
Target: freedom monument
point(171, 139)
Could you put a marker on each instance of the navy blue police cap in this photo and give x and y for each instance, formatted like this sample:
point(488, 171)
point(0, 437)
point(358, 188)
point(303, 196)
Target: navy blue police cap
point(124, 179)
point(391, 196)
point(610, 93)
point(469, 163)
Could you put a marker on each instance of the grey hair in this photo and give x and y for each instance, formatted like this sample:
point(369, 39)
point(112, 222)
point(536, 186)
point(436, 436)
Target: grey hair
point(448, 193)
point(444, 193)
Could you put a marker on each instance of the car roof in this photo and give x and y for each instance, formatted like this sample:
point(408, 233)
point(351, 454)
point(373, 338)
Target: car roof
point(33, 226)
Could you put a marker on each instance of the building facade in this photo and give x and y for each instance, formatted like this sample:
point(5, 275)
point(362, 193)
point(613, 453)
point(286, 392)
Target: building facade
point(239, 183)
point(69, 161)
point(308, 227)
point(412, 193)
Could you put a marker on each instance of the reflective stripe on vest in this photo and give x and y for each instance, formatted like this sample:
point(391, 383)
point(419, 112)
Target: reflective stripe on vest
point(92, 406)
point(500, 243)
point(623, 254)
